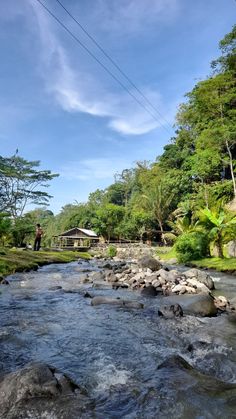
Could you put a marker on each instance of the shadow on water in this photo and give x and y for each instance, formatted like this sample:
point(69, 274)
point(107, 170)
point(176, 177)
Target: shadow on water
point(127, 359)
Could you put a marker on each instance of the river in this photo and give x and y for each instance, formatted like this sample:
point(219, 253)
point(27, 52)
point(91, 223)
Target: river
point(115, 352)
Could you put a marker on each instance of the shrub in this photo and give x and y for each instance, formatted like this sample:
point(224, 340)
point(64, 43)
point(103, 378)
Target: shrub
point(111, 251)
point(170, 238)
point(191, 246)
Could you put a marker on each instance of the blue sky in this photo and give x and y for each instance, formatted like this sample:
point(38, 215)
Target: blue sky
point(57, 105)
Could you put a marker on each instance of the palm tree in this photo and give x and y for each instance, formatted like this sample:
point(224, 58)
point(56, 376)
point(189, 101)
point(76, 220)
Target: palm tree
point(184, 225)
point(158, 202)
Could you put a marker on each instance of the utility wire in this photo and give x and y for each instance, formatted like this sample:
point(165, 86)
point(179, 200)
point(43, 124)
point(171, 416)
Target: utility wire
point(114, 63)
point(99, 62)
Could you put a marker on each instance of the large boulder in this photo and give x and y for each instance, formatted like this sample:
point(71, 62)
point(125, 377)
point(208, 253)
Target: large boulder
point(40, 391)
point(201, 276)
point(194, 394)
point(200, 305)
point(231, 249)
point(198, 286)
point(150, 262)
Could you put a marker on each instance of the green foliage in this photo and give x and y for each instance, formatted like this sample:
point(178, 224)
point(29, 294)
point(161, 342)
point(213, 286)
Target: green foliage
point(20, 181)
point(166, 252)
point(220, 225)
point(22, 230)
point(111, 251)
point(107, 219)
point(223, 265)
point(170, 238)
point(196, 170)
point(184, 225)
point(191, 246)
point(5, 226)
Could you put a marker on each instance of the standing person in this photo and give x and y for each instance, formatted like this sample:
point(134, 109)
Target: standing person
point(38, 236)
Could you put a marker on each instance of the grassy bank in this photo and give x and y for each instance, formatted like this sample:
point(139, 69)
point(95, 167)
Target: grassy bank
point(166, 253)
point(24, 260)
point(223, 265)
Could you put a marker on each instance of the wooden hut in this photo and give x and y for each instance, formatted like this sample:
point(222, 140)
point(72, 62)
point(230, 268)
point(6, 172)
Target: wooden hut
point(75, 239)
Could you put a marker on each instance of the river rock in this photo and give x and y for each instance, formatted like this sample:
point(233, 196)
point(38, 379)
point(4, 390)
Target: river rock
point(201, 276)
point(149, 262)
point(173, 275)
point(200, 305)
point(156, 283)
point(199, 286)
point(97, 276)
point(149, 291)
point(204, 396)
point(87, 295)
point(40, 391)
point(117, 285)
point(231, 249)
point(190, 290)
point(169, 312)
point(175, 361)
point(163, 275)
point(98, 300)
point(110, 276)
point(179, 289)
point(221, 302)
point(4, 281)
point(84, 278)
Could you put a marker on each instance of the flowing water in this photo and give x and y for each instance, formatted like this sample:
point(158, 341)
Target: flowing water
point(116, 352)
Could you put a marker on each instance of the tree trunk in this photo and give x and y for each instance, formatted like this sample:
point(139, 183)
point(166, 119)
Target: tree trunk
point(231, 166)
point(229, 152)
point(162, 232)
point(219, 246)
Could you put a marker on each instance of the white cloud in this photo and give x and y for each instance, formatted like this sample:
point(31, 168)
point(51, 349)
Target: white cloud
point(80, 92)
point(90, 169)
point(134, 15)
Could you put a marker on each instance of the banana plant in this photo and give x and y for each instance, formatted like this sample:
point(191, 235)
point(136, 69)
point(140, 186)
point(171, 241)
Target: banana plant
point(220, 226)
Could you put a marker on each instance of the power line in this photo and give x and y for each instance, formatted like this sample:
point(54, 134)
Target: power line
point(99, 62)
point(113, 62)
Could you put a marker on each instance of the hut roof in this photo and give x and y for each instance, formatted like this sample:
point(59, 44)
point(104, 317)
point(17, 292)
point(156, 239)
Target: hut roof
point(79, 233)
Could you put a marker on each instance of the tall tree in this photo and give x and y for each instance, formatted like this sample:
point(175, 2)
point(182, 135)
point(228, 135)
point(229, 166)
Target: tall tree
point(21, 183)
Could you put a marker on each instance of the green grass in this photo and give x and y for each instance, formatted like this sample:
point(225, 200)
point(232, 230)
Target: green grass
point(222, 265)
point(166, 253)
point(24, 260)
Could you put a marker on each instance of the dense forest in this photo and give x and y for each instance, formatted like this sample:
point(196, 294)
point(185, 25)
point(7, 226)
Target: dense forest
point(187, 194)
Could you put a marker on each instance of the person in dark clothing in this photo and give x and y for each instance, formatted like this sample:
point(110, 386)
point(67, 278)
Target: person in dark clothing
point(38, 236)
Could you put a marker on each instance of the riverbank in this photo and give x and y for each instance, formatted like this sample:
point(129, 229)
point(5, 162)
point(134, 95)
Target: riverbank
point(19, 260)
point(227, 265)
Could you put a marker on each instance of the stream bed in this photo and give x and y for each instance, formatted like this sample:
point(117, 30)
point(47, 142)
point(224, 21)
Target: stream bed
point(127, 359)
